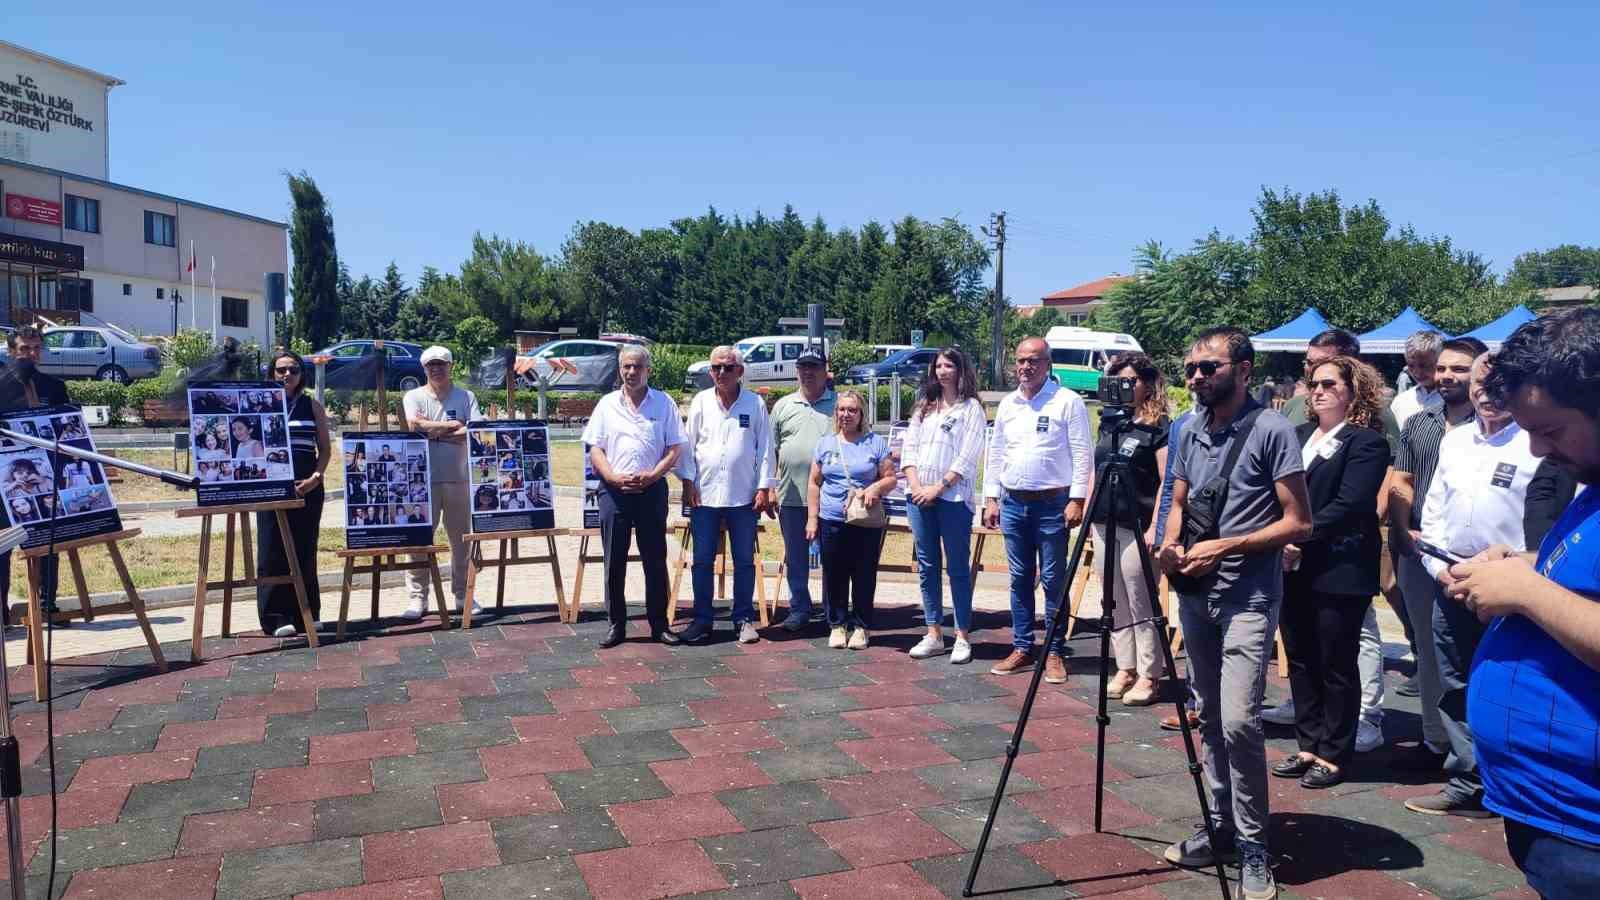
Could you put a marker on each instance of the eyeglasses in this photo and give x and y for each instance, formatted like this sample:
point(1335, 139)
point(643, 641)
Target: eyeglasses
point(725, 367)
point(1326, 384)
point(287, 370)
point(1206, 367)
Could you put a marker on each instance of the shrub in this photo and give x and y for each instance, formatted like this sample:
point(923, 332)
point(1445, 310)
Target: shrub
point(189, 348)
point(671, 364)
point(845, 354)
point(109, 394)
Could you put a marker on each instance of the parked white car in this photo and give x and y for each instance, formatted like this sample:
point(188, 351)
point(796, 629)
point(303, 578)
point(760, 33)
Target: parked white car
point(768, 360)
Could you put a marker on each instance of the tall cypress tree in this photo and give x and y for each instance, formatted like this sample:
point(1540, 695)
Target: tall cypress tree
point(315, 277)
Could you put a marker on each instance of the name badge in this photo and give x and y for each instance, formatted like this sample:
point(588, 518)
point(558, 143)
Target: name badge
point(1130, 446)
point(744, 420)
point(947, 426)
point(452, 414)
point(1556, 556)
point(1043, 425)
point(1503, 475)
point(1329, 448)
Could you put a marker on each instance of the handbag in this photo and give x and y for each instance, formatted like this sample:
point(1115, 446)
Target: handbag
point(856, 511)
point(1202, 510)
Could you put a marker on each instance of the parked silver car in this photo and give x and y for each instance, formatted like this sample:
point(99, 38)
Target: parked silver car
point(87, 351)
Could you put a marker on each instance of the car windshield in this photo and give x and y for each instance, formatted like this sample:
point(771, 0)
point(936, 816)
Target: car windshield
point(744, 347)
point(900, 356)
point(1071, 356)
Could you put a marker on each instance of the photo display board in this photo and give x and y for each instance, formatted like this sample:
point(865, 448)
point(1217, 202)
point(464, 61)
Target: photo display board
point(894, 503)
point(33, 485)
point(388, 499)
point(591, 492)
point(240, 434)
point(509, 469)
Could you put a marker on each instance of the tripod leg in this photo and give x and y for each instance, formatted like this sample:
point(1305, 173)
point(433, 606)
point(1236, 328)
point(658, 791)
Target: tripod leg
point(1108, 602)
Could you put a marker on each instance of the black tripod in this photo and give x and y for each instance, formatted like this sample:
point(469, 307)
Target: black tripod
point(1110, 478)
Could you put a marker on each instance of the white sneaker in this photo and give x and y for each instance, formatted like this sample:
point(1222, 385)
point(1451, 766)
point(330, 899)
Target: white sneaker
point(858, 639)
point(1369, 737)
point(284, 631)
point(415, 610)
point(1282, 714)
point(961, 654)
point(476, 609)
point(928, 646)
point(838, 637)
point(747, 633)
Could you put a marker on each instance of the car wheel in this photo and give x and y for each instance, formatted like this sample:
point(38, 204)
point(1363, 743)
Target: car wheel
point(409, 382)
point(112, 373)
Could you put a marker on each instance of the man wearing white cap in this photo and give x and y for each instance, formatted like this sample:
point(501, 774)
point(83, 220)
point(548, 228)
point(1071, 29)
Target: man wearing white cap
point(441, 411)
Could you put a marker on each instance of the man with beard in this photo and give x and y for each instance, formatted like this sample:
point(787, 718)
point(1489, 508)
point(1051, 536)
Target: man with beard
point(23, 386)
point(1238, 496)
point(1531, 703)
point(1414, 466)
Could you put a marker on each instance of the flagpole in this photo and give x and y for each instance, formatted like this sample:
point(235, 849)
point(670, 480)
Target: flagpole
point(193, 323)
point(214, 316)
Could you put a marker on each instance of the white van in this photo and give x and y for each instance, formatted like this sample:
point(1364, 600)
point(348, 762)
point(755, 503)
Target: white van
point(768, 360)
point(1078, 356)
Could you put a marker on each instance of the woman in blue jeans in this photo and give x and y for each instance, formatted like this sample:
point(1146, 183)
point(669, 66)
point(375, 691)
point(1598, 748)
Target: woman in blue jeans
point(940, 459)
point(851, 458)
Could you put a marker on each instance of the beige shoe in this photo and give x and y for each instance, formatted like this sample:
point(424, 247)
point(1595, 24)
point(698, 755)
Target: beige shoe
point(858, 639)
point(1119, 684)
point(837, 638)
point(1143, 693)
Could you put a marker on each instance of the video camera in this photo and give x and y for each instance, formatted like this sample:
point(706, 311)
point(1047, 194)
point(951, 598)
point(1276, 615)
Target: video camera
point(1116, 391)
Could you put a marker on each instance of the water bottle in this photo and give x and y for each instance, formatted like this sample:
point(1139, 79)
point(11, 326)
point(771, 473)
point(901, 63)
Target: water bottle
point(816, 554)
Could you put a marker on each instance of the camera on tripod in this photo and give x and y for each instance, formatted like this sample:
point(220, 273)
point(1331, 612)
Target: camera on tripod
point(1117, 391)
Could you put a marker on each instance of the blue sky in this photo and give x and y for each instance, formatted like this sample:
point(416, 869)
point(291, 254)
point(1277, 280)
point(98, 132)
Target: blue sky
point(1095, 128)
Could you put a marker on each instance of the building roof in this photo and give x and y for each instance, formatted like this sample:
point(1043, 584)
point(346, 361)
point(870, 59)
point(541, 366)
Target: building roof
point(1578, 293)
point(1088, 292)
point(62, 173)
point(108, 80)
point(1028, 312)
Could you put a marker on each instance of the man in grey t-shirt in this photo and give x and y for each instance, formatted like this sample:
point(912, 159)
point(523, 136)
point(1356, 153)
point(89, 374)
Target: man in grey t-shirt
point(1229, 620)
point(441, 411)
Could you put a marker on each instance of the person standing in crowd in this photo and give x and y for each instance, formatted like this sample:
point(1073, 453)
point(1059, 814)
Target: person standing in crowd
point(1332, 575)
point(1230, 578)
point(1413, 475)
point(1331, 344)
point(1143, 443)
point(1476, 500)
point(634, 439)
point(441, 411)
point(726, 471)
point(850, 461)
point(23, 386)
point(310, 452)
point(1414, 395)
point(1422, 357)
point(1531, 704)
point(1158, 536)
point(1040, 454)
point(944, 440)
point(799, 420)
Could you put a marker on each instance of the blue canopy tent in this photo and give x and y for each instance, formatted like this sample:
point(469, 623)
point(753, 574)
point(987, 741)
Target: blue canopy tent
point(1390, 337)
point(1497, 331)
point(1293, 336)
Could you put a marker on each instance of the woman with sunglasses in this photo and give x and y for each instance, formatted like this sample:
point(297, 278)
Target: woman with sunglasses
point(1331, 578)
point(309, 450)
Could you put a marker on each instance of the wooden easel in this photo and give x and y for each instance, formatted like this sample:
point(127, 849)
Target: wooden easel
point(476, 562)
point(378, 566)
point(585, 557)
point(279, 508)
point(34, 557)
point(722, 568)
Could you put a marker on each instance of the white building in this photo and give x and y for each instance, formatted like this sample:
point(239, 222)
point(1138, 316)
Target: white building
point(73, 244)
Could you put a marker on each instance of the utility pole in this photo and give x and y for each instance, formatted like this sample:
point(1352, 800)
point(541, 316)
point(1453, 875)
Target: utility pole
point(997, 232)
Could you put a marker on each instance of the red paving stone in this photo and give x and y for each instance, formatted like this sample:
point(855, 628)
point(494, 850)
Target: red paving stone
point(1065, 733)
point(532, 758)
point(1053, 704)
point(1363, 883)
point(746, 708)
point(886, 754)
point(333, 748)
point(276, 703)
point(69, 721)
point(645, 873)
point(133, 768)
point(613, 673)
point(880, 792)
point(417, 712)
point(246, 829)
point(561, 725)
point(879, 696)
point(637, 650)
point(897, 880)
point(592, 698)
point(496, 799)
point(1093, 864)
point(897, 670)
point(398, 855)
point(1070, 810)
point(708, 774)
point(884, 838)
point(187, 876)
point(894, 721)
point(673, 819)
point(426, 888)
point(300, 783)
point(461, 686)
point(74, 809)
point(144, 690)
point(734, 737)
point(1063, 768)
point(194, 735)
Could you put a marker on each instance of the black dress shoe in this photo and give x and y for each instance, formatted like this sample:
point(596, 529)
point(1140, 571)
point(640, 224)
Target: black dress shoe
point(666, 636)
point(1320, 777)
point(613, 638)
point(1292, 767)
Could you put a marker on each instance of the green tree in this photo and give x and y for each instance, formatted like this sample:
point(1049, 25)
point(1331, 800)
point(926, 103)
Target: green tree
point(1563, 266)
point(314, 278)
point(606, 270)
point(421, 316)
point(473, 338)
point(511, 285)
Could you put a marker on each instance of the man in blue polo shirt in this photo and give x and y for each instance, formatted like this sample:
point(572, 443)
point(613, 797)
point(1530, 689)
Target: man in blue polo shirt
point(1533, 701)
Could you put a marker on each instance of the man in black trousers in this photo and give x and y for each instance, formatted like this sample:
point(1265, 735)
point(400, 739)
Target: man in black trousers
point(23, 386)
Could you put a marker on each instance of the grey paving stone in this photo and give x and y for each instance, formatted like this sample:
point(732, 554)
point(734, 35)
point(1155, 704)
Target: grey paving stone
point(614, 784)
point(822, 655)
point(65, 699)
point(1144, 759)
point(778, 854)
point(176, 799)
point(552, 879)
point(360, 697)
point(36, 886)
point(464, 735)
point(561, 662)
point(36, 778)
point(957, 689)
point(236, 684)
point(1374, 809)
point(117, 844)
point(397, 773)
point(293, 660)
point(1453, 873)
point(627, 749)
point(436, 652)
point(197, 710)
point(689, 667)
point(1162, 796)
point(108, 742)
point(972, 780)
point(290, 869)
point(963, 823)
point(823, 729)
point(780, 805)
point(776, 890)
point(276, 753)
point(813, 703)
point(976, 742)
point(578, 646)
point(542, 680)
point(342, 817)
point(806, 763)
point(967, 713)
point(316, 722)
point(677, 690)
point(527, 838)
point(822, 679)
point(1005, 871)
point(656, 717)
point(529, 703)
point(399, 673)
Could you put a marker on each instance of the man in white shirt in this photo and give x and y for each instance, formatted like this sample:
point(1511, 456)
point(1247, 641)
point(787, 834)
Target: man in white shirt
point(1422, 355)
point(1040, 456)
point(727, 473)
point(441, 411)
point(634, 439)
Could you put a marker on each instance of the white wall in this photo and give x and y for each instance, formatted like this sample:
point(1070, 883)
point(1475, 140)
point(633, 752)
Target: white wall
point(52, 115)
point(141, 313)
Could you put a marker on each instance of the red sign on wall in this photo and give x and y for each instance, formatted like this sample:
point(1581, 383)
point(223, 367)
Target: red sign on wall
point(32, 209)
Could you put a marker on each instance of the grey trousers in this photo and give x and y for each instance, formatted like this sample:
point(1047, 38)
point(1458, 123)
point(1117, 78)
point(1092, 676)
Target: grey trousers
point(1229, 647)
point(1420, 590)
point(1369, 659)
point(1456, 633)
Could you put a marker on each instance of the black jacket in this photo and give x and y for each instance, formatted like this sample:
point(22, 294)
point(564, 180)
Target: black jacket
point(1341, 556)
point(1548, 495)
point(13, 396)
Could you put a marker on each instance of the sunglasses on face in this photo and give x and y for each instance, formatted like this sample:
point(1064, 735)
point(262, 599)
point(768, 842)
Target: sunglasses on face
point(725, 367)
point(1206, 367)
point(287, 370)
point(1326, 384)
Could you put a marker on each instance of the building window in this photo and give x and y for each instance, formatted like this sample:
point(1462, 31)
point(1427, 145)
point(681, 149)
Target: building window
point(76, 293)
point(235, 312)
point(160, 229)
point(127, 289)
point(161, 293)
point(83, 214)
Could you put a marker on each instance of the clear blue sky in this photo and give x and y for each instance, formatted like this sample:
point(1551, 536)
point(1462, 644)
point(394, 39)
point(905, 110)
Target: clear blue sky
point(1097, 129)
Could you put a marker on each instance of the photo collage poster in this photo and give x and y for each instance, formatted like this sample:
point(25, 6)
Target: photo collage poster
point(387, 493)
point(240, 434)
point(33, 486)
point(894, 503)
point(591, 492)
point(508, 467)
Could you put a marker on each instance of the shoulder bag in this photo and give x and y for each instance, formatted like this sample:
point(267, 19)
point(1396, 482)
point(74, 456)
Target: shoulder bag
point(1202, 509)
